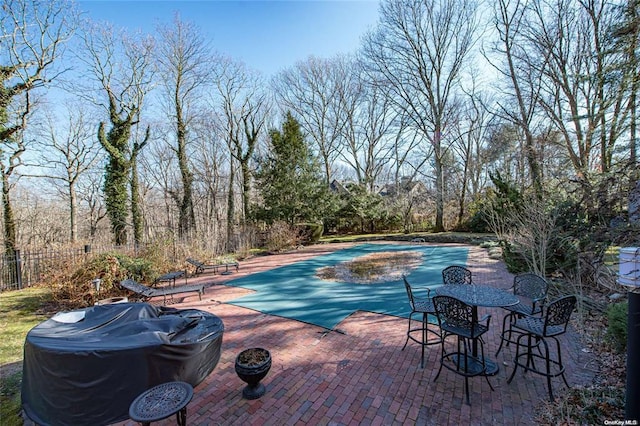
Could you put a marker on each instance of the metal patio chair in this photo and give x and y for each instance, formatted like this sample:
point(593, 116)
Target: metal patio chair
point(425, 307)
point(456, 319)
point(535, 331)
point(531, 289)
point(456, 274)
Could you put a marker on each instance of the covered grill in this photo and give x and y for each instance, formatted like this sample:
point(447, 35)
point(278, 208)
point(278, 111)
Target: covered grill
point(85, 367)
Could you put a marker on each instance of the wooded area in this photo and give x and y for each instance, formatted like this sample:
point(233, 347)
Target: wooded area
point(452, 115)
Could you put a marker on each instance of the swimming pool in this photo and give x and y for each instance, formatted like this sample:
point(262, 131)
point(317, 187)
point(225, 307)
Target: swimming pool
point(293, 291)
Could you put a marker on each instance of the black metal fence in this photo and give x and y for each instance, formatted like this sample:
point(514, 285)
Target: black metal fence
point(24, 269)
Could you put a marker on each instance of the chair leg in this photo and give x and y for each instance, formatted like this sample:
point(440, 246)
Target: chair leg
point(408, 332)
point(424, 330)
point(540, 342)
point(516, 363)
point(466, 369)
point(560, 364)
point(424, 338)
point(442, 342)
point(504, 330)
point(548, 368)
point(484, 365)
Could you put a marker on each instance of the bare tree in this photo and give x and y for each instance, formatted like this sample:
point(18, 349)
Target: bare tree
point(121, 66)
point(310, 90)
point(567, 44)
point(67, 152)
point(210, 171)
point(523, 80)
point(469, 148)
point(32, 36)
point(242, 103)
point(90, 197)
point(627, 34)
point(418, 51)
point(158, 167)
point(369, 117)
point(184, 60)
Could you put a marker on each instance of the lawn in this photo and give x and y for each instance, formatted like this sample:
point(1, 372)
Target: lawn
point(19, 312)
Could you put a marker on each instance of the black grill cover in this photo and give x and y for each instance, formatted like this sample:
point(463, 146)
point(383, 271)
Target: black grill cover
point(85, 367)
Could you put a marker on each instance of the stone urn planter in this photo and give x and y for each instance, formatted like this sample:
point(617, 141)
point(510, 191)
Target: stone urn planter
point(252, 365)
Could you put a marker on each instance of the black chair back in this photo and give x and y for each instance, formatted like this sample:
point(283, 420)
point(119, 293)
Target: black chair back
point(533, 287)
point(407, 286)
point(559, 313)
point(456, 274)
point(454, 315)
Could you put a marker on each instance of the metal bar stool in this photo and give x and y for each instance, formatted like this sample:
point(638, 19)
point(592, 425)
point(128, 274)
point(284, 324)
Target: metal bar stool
point(529, 288)
point(535, 331)
point(425, 307)
point(456, 318)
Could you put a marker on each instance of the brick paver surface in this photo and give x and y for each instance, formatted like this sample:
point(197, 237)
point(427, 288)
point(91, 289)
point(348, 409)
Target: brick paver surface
point(358, 374)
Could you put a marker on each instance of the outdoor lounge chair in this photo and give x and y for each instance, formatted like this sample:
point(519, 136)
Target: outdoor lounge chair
point(201, 266)
point(147, 293)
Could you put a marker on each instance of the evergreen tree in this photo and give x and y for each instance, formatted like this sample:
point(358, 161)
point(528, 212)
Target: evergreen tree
point(290, 179)
point(363, 207)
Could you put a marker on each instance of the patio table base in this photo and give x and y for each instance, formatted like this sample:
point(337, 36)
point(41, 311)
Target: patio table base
point(474, 365)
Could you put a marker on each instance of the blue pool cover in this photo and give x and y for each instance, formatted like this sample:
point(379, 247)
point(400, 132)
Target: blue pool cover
point(294, 291)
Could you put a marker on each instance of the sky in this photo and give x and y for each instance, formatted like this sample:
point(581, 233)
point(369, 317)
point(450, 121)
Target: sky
point(267, 35)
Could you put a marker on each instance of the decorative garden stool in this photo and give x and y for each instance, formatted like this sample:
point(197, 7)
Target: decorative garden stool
point(162, 401)
point(252, 365)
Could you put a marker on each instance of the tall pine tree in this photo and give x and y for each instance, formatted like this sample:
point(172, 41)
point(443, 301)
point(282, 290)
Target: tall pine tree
point(290, 179)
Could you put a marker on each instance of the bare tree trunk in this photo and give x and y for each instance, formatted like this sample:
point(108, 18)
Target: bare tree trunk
point(73, 213)
point(634, 204)
point(231, 205)
point(437, 157)
point(185, 61)
point(9, 220)
point(187, 216)
point(136, 214)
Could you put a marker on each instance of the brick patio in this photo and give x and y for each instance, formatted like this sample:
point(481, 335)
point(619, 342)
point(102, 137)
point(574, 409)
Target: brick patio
point(358, 374)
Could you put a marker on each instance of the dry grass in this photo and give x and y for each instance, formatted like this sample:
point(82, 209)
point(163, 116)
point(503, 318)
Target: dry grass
point(373, 268)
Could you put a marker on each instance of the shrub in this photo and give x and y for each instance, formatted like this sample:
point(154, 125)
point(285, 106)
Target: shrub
point(617, 330)
point(73, 288)
point(311, 232)
point(281, 236)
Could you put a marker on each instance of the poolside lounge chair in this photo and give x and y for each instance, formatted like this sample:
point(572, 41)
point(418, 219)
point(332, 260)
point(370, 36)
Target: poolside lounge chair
point(147, 293)
point(201, 266)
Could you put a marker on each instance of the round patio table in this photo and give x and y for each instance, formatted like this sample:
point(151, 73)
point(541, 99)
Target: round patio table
point(480, 295)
